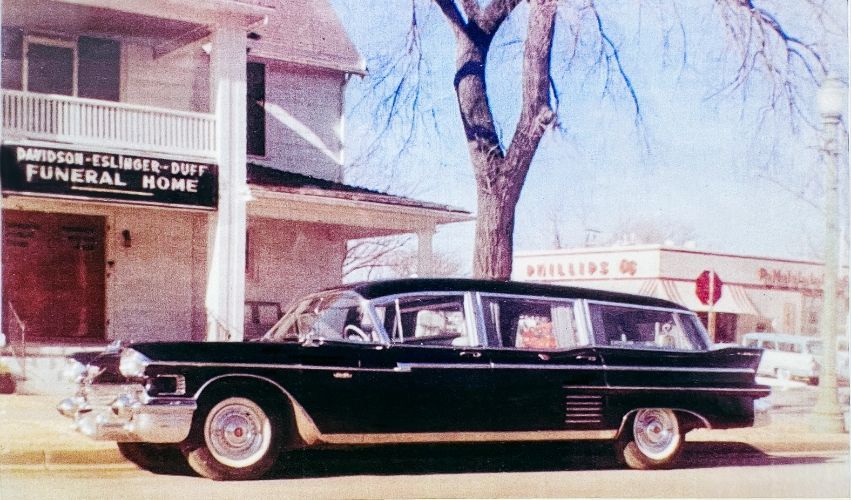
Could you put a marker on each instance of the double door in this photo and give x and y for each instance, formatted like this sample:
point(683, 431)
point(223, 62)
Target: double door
point(53, 276)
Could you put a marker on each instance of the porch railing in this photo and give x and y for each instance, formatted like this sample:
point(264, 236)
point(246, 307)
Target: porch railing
point(108, 124)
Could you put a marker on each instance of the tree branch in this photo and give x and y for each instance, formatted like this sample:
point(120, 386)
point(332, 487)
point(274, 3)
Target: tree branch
point(615, 54)
point(766, 47)
point(452, 14)
point(536, 114)
point(494, 14)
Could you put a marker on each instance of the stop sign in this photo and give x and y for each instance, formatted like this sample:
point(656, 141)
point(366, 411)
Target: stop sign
point(708, 282)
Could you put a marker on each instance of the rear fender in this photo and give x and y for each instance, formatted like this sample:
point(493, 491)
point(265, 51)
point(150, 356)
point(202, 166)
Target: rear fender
point(689, 420)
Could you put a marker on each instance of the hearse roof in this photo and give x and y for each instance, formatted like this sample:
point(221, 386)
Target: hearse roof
point(374, 289)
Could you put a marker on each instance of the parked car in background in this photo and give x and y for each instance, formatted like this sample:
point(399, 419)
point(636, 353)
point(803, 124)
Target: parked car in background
point(421, 361)
point(788, 356)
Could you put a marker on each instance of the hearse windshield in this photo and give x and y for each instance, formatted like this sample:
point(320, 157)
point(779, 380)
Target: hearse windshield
point(325, 315)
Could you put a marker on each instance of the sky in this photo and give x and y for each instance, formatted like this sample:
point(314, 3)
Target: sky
point(738, 178)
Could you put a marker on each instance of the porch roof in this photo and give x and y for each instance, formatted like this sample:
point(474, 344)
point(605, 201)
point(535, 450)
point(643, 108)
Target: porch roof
point(273, 191)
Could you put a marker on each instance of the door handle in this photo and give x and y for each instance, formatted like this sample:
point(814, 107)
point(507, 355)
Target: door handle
point(586, 357)
point(472, 354)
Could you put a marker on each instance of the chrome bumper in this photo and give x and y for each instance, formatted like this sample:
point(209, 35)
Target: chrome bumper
point(131, 416)
point(761, 409)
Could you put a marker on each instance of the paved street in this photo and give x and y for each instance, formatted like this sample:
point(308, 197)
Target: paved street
point(710, 470)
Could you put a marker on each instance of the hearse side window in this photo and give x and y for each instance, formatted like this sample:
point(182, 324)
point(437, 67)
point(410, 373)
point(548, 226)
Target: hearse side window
point(634, 327)
point(424, 320)
point(324, 316)
point(529, 323)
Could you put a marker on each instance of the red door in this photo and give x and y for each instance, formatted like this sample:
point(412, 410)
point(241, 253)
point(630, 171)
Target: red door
point(54, 274)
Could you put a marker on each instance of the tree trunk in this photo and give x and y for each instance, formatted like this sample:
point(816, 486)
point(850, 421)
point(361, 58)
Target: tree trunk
point(494, 242)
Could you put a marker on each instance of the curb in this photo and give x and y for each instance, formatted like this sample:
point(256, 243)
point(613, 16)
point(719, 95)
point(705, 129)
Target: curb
point(789, 447)
point(54, 458)
point(108, 456)
point(792, 447)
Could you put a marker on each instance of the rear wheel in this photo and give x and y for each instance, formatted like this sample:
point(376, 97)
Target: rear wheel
point(655, 440)
point(235, 438)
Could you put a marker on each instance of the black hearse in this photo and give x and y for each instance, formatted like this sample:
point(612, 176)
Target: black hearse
point(424, 360)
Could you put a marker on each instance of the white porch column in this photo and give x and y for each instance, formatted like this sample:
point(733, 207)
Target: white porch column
point(2, 299)
point(425, 254)
point(225, 299)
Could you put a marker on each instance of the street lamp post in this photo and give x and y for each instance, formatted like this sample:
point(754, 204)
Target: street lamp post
point(827, 414)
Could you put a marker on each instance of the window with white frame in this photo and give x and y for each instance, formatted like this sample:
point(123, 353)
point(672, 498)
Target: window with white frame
point(73, 66)
point(50, 66)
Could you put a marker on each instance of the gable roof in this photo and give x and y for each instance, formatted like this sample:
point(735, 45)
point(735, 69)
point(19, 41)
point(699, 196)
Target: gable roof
point(306, 32)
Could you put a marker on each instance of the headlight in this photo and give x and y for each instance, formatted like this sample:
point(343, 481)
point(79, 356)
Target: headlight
point(133, 363)
point(73, 371)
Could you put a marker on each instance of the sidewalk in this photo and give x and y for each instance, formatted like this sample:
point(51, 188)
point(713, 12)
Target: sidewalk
point(34, 434)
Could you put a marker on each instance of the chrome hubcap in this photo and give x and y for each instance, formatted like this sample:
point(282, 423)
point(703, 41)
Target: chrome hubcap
point(238, 432)
point(656, 432)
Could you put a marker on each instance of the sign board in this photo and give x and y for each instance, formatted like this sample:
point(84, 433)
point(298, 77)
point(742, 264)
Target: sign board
point(708, 287)
point(65, 172)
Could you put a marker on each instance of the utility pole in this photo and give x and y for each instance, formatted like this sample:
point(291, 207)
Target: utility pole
point(827, 414)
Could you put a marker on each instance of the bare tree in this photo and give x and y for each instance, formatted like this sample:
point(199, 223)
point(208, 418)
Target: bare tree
point(368, 256)
point(757, 41)
point(392, 256)
point(647, 231)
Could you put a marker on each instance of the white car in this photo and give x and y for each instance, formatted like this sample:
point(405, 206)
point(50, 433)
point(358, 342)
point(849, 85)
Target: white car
point(788, 356)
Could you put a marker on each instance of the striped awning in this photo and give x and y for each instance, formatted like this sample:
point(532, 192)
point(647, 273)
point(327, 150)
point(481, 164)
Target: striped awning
point(734, 298)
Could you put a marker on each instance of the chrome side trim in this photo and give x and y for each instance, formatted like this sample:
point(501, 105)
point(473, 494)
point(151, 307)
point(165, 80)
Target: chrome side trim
point(455, 437)
point(679, 369)
point(625, 418)
point(405, 367)
point(663, 388)
point(409, 366)
point(276, 366)
point(307, 429)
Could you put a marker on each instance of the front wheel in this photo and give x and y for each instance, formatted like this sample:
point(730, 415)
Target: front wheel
point(154, 457)
point(239, 439)
point(655, 440)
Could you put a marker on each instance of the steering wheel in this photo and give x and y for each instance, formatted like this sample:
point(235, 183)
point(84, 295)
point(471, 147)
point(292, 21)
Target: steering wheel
point(352, 332)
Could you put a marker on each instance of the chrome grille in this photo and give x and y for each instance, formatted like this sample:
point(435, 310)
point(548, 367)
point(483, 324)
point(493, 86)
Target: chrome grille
point(102, 395)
